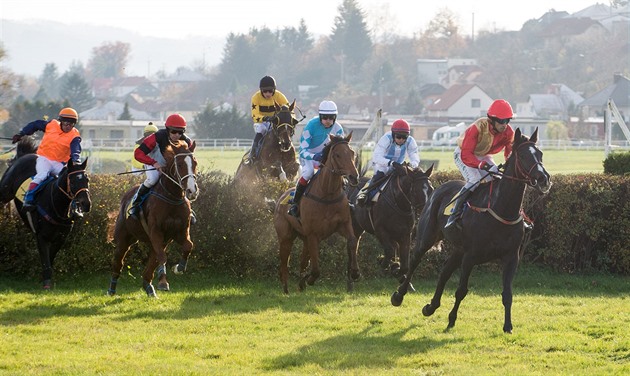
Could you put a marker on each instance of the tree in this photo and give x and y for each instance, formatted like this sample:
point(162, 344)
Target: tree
point(77, 92)
point(442, 38)
point(109, 60)
point(23, 112)
point(49, 81)
point(125, 115)
point(350, 36)
point(8, 82)
point(222, 122)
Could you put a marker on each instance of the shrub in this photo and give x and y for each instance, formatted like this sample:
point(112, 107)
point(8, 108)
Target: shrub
point(617, 163)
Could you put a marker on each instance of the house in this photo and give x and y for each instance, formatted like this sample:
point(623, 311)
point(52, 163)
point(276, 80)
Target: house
point(618, 91)
point(459, 102)
point(556, 104)
point(461, 74)
point(101, 122)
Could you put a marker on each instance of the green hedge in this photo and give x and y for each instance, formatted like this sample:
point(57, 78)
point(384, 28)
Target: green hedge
point(582, 225)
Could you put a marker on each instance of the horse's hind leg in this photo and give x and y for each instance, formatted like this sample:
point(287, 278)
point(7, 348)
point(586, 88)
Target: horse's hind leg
point(452, 263)
point(285, 253)
point(44, 258)
point(162, 281)
point(509, 270)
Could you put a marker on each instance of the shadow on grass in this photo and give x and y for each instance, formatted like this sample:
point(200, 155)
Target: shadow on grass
point(348, 351)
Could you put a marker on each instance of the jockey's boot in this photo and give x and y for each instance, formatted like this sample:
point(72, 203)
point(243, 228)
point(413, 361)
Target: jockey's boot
point(462, 196)
point(365, 193)
point(294, 210)
point(253, 152)
point(137, 201)
point(29, 198)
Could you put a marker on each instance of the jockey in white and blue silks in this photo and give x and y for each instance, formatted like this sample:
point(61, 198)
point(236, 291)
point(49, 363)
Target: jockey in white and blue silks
point(392, 148)
point(312, 142)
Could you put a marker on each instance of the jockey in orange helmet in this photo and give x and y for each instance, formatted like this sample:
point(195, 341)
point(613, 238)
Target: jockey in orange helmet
point(60, 143)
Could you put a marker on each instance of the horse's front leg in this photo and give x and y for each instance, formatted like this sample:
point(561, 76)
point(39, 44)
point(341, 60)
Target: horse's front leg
point(44, 257)
point(157, 256)
point(452, 263)
point(312, 246)
point(509, 270)
point(462, 289)
point(352, 245)
point(186, 250)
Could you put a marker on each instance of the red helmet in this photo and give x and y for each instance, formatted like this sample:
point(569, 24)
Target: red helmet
point(175, 121)
point(400, 126)
point(500, 109)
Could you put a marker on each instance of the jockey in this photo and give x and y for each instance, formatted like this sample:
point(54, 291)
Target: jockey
point(389, 150)
point(149, 152)
point(314, 138)
point(263, 106)
point(61, 142)
point(473, 155)
point(149, 129)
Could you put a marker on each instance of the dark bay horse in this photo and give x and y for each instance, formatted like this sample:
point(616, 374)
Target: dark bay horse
point(324, 210)
point(492, 227)
point(164, 217)
point(51, 222)
point(392, 218)
point(277, 158)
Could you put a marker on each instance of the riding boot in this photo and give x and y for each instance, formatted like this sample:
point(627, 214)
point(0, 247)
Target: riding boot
point(462, 196)
point(137, 201)
point(253, 153)
point(365, 193)
point(29, 198)
point(294, 210)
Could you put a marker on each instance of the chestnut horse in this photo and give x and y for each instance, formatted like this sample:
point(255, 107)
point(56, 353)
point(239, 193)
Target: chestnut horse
point(324, 210)
point(164, 217)
point(392, 218)
point(277, 158)
point(492, 227)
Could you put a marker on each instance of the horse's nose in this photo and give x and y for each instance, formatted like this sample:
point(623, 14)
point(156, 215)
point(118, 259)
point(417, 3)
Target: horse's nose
point(192, 195)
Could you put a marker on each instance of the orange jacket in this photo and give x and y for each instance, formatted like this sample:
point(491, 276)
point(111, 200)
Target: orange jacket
point(56, 144)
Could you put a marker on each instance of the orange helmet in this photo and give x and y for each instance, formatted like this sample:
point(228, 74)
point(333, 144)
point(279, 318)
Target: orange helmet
point(68, 114)
point(175, 121)
point(400, 126)
point(500, 109)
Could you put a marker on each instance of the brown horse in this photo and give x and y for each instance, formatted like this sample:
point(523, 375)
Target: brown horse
point(277, 159)
point(491, 229)
point(392, 218)
point(164, 217)
point(324, 210)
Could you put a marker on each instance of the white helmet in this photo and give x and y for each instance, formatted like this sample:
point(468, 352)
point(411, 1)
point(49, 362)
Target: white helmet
point(327, 108)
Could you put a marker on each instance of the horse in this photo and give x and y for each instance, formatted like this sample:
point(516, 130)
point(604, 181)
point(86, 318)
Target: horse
point(51, 222)
point(277, 155)
point(324, 210)
point(164, 217)
point(492, 227)
point(392, 217)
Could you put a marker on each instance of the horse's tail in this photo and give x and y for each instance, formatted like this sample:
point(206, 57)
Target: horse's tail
point(27, 145)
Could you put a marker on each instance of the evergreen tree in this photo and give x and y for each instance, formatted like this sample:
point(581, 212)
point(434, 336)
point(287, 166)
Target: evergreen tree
point(217, 122)
point(125, 115)
point(49, 81)
point(351, 36)
point(77, 92)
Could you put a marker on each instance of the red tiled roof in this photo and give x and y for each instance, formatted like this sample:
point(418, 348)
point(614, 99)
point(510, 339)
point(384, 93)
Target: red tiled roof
point(450, 96)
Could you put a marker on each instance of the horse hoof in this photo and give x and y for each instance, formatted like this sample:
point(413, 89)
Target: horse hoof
point(47, 285)
point(177, 270)
point(427, 310)
point(111, 292)
point(350, 286)
point(411, 288)
point(302, 285)
point(163, 286)
point(397, 299)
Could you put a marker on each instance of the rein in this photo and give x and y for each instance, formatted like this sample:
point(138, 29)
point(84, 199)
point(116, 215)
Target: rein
point(68, 192)
point(334, 172)
point(178, 182)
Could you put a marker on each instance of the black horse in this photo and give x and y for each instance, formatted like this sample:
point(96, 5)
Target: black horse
point(392, 217)
point(52, 221)
point(492, 227)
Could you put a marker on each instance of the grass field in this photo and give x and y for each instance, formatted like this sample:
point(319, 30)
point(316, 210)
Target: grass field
point(563, 325)
point(555, 161)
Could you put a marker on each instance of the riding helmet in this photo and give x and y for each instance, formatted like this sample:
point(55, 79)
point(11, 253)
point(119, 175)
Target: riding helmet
point(68, 114)
point(327, 108)
point(267, 82)
point(500, 109)
point(175, 121)
point(400, 126)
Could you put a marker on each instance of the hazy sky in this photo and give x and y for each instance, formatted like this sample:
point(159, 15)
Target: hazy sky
point(181, 18)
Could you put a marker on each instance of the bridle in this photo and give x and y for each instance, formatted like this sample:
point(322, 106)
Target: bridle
point(68, 191)
point(175, 172)
point(335, 171)
point(521, 173)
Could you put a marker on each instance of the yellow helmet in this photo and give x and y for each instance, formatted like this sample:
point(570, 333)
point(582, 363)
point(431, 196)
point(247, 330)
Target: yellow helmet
point(150, 128)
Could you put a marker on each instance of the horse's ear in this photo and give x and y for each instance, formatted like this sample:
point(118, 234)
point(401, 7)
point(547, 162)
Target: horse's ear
point(534, 136)
point(430, 170)
point(276, 105)
point(349, 137)
point(517, 134)
point(193, 146)
point(84, 164)
point(292, 106)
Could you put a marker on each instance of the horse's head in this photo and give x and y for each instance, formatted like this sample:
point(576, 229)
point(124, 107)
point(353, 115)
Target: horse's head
point(181, 167)
point(77, 186)
point(339, 157)
point(421, 187)
point(528, 163)
point(283, 124)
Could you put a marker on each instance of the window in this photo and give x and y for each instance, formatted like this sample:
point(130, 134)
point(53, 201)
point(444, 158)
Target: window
point(475, 103)
point(116, 135)
point(91, 134)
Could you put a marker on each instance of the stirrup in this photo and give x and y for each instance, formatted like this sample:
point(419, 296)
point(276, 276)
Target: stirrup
point(29, 206)
point(294, 211)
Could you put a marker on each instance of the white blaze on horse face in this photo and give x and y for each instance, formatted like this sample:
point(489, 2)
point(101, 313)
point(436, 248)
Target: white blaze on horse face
point(191, 183)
